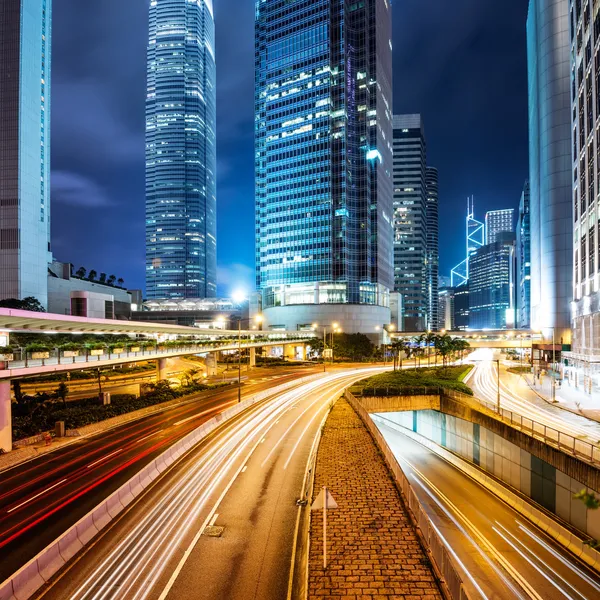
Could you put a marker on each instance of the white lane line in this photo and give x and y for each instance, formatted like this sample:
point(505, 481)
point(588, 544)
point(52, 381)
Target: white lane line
point(36, 496)
point(522, 554)
point(244, 469)
point(287, 462)
point(212, 521)
point(104, 458)
point(205, 412)
point(147, 436)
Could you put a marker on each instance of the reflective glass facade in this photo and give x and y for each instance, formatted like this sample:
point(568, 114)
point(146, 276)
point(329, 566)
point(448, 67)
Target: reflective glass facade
point(181, 151)
point(25, 46)
point(433, 256)
point(323, 131)
point(524, 262)
point(498, 221)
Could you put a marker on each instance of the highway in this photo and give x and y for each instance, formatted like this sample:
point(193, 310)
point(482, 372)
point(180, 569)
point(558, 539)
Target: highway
point(515, 395)
point(246, 478)
point(41, 498)
point(501, 554)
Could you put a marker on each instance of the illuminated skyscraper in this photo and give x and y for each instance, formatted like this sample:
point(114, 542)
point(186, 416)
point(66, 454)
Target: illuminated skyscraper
point(498, 221)
point(433, 258)
point(25, 57)
point(323, 161)
point(523, 249)
point(181, 151)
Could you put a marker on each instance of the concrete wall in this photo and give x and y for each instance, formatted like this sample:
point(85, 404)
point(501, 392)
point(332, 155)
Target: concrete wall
point(533, 477)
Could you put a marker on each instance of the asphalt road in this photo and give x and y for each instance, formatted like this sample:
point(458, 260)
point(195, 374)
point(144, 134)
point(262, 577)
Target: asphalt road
point(245, 478)
point(518, 397)
point(41, 498)
point(502, 555)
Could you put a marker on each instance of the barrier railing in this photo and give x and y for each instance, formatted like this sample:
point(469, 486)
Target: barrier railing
point(549, 435)
point(440, 555)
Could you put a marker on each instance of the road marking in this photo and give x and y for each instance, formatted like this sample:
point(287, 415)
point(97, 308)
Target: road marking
point(205, 412)
point(212, 521)
point(147, 436)
point(244, 469)
point(36, 496)
point(104, 458)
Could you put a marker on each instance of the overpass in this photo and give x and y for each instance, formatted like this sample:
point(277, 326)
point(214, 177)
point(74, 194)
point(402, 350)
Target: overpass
point(168, 341)
point(501, 338)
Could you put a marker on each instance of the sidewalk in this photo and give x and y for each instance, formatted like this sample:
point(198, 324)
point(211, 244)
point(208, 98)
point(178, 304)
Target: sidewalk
point(567, 397)
point(373, 550)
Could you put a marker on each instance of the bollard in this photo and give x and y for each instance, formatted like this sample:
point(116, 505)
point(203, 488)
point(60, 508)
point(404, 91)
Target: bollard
point(59, 429)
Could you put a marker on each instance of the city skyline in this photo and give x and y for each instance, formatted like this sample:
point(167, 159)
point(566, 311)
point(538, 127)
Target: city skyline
point(89, 186)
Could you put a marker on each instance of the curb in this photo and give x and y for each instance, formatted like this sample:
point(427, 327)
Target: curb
point(555, 530)
point(38, 571)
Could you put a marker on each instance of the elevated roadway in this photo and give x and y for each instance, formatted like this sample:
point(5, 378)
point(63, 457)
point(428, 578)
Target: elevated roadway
point(501, 338)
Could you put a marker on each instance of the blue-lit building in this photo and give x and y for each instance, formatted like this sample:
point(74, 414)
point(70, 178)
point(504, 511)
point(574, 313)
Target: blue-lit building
point(323, 152)
point(25, 57)
point(181, 151)
point(433, 254)
point(524, 262)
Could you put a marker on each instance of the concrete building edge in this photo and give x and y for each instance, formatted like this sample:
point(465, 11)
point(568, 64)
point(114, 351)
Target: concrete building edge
point(549, 525)
point(13, 588)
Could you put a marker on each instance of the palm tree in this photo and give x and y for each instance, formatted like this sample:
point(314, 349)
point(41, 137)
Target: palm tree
point(80, 272)
point(111, 279)
point(427, 339)
point(120, 281)
point(92, 275)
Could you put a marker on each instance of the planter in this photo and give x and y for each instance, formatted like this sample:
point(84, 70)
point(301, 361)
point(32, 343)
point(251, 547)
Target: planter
point(36, 355)
point(7, 357)
point(134, 349)
point(98, 352)
point(70, 353)
point(118, 351)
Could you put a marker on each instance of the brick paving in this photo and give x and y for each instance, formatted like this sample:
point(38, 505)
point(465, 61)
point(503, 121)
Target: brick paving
point(373, 551)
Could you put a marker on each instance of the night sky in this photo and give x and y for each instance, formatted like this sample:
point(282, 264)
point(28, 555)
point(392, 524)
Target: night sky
point(461, 63)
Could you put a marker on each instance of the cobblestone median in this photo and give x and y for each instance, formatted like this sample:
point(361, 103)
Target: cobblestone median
point(372, 548)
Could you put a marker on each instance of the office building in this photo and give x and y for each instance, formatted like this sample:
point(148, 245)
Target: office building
point(523, 262)
point(492, 284)
point(498, 221)
point(461, 307)
point(446, 308)
point(410, 220)
point(181, 151)
point(25, 64)
point(475, 239)
point(323, 161)
point(551, 165)
point(433, 257)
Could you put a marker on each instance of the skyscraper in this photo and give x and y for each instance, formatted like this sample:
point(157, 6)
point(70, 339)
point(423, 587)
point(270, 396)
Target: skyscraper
point(550, 166)
point(433, 257)
point(323, 161)
point(181, 151)
point(25, 57)
point(498, 221)
point(523, 262)
point(410, 220)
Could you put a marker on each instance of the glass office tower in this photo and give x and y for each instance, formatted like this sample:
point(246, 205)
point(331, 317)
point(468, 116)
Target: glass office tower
point(25, 55)
point(181, 151)
point(433, 254)
point(323, 134)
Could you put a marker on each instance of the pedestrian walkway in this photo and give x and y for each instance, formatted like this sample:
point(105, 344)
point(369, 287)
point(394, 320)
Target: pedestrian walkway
point(567, 396)
point(373, 549)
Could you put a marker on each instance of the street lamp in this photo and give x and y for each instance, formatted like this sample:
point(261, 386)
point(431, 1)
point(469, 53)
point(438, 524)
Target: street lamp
point(553, 386)
point(257, 319)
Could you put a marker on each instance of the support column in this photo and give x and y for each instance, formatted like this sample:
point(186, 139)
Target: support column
point(5, 417)
point(161, 369)
point(252, 359)
point(210, 362)
point(289, 351)
point(303, 352)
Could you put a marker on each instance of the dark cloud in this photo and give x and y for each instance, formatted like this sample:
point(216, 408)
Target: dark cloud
point(461, 63)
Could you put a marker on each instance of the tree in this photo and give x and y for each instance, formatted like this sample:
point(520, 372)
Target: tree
point(111, 279)
point(92, 275)
point(28, 303)
point(461, 346)
point(17, 391)
point(80, 272)
point(399, 348)
point(427, 339)
point(120, 281)
point(444, 344)
point(102, 277)
point(354, 346)
point(62, 391)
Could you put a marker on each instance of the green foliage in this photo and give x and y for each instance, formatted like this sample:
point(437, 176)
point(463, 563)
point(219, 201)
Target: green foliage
point(37, 348)
point(588, 498)
point(70, 346)
point(95, 346)
point(6, 349)
point(398, 383)
point(28, 303)
point(352, 346)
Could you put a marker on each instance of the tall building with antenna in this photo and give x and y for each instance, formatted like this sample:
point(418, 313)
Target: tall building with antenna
point(475, 232)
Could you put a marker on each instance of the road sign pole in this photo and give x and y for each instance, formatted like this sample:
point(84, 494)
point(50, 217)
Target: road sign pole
point(324, 527)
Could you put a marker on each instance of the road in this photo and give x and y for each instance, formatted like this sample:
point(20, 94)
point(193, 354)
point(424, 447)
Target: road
point(245, 478)
point(502, 555)
point(515, 395)
point(43, 497)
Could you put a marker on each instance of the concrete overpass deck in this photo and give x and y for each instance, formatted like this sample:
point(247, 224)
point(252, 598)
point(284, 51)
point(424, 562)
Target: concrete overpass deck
point(501, 338)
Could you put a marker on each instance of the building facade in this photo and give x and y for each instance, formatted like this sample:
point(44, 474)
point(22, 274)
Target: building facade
point(446, 308)
point(523, 250)
point(433, 254)
point(550, 166)
point(410, 220)
point(498, 221)
point(492, 285)
point(181, 151)
point(25, 71)
point(323, 162)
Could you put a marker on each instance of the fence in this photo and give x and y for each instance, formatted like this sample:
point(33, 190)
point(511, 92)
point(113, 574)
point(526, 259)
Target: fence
point(552, 437)
point(440, 555)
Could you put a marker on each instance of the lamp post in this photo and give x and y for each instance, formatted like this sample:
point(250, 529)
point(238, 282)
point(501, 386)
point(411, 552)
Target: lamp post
point(335, 328)
point(386, 328)
point(553, 385)
point(257, 319)
point(498, 383)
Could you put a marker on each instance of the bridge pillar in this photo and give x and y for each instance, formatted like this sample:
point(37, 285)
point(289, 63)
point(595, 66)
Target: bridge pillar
point(161, 369)
point(252, 359)
point(210, 362)
point(5, 417)
point(289, 351)
point(303, 352)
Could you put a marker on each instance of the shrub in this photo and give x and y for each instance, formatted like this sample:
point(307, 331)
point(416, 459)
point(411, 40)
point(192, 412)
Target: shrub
point(70, 346)
point(37, 348)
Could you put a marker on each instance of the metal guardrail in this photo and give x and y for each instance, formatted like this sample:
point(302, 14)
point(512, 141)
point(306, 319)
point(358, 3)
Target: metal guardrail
point(441, 557)
point(549, 435)
point(405, 390)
